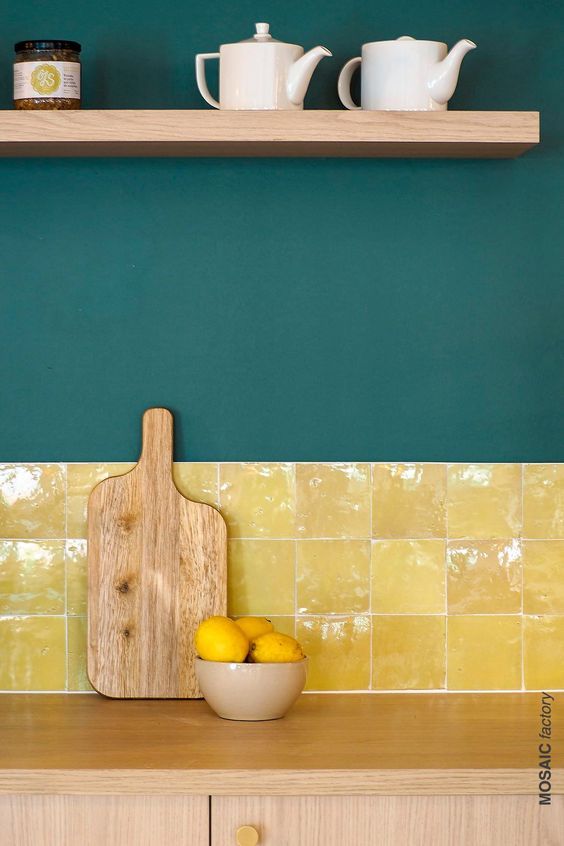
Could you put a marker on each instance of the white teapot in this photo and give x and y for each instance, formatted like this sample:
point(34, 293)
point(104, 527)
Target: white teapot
point(260, 73)
point(405, 74)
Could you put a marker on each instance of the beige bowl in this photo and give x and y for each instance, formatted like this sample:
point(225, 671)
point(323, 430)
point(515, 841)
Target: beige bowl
point(251, 691)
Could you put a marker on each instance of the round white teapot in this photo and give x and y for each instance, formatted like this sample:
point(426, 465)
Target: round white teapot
point(260, 73)
point(405, 74)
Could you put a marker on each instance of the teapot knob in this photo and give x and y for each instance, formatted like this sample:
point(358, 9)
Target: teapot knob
point(262, 32)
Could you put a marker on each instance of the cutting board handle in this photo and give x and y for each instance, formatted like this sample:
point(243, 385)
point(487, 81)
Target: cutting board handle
point(157, 450)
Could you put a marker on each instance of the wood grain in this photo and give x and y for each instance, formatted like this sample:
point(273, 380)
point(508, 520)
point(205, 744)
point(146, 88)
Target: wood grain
point(104, 820)
point(327, 744)
point(156, 568)
point(390, 820)
point(307, 133)
point(279, 782)
point(144, 820)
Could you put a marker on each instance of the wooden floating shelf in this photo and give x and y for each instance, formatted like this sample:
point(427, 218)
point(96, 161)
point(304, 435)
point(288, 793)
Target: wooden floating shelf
point(305, 133)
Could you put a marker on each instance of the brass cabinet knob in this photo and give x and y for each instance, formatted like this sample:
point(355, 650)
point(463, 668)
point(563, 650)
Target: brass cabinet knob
point(247, 835)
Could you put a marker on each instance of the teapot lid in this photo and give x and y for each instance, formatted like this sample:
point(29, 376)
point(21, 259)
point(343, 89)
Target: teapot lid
point(261, 36)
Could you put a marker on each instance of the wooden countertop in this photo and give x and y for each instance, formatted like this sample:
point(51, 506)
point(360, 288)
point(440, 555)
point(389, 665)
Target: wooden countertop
point(328, 744)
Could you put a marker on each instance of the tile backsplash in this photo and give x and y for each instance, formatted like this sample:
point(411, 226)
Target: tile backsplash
point(393, 576)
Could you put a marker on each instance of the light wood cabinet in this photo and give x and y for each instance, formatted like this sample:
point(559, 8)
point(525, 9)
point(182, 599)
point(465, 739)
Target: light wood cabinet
point(389, 820)
point(44, 820)
point(342, 770)
point(28, 820)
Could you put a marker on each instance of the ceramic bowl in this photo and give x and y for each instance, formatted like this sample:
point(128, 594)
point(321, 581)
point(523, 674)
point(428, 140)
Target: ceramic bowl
point(251, 691)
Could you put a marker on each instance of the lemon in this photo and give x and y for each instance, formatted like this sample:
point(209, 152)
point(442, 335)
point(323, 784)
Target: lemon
point(275, 648)
point(254, 626)
point(219, 639)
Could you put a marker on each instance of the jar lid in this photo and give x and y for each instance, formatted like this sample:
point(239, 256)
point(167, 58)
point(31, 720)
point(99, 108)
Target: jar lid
point(21, 46)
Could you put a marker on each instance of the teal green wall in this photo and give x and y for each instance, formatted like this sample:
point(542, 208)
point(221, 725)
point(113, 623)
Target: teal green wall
point(311, 309)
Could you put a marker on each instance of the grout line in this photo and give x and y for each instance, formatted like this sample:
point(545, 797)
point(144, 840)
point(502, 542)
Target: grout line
point(333, 614)
point(282, 461)
point(39, 540)
point(446, 576)
point(370, 509)
point(47, 616)
point(46, 692)
point(521, 547)
point(343, 539)
point(423, 691)
point(66, 578)
point(295, 502)
point(356, 692)
point(295, 553)
point(419, 614)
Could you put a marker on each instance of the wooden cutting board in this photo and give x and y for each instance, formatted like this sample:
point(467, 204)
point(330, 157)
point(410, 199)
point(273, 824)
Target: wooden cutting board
point(157, 566)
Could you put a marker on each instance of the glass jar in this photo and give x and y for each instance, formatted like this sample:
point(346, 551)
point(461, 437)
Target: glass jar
point(47, 75)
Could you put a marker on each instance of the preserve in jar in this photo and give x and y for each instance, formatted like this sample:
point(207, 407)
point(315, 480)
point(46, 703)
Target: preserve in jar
point(47, 75)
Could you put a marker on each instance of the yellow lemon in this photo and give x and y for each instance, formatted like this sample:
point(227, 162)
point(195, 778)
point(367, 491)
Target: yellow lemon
point(219, 639)
point(275, 648)
point(254, 626)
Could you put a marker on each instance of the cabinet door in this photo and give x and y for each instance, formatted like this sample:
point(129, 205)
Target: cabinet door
point(104, 820)
point(389, 820)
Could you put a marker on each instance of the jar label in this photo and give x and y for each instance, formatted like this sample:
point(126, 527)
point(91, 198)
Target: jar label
point(46, 79)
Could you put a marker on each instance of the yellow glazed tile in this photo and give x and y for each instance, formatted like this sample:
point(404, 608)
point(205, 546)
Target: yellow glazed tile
point(333, 576)
point(339, 651)
point(32, 577)
point(197, 481)
point(32, 501)
point(543, 500)
point(33, 653)
point(408, 653)
point(81, 478)
point(77, 677)
point(257, 500)
point(543, 580)
point(408, 577)
point(333, 500)
point(261, 577)
point(77, 577)
point(484, 653)
point(408, 500)
point(484, 501)
point(285, 625)
point(484, 577)
point(543, 648)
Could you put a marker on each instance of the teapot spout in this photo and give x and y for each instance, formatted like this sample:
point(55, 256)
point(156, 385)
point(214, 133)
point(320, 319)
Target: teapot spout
point(444, 75)
point(301, 72)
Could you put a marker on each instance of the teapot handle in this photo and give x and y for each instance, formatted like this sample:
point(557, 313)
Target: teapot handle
point(201, 78)
point(344, 84)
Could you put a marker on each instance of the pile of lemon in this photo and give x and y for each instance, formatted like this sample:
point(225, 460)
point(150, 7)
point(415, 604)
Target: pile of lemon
point(246, 639)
